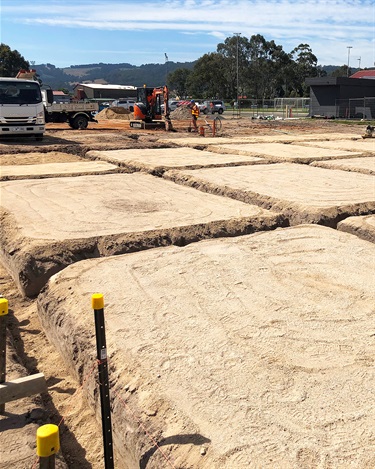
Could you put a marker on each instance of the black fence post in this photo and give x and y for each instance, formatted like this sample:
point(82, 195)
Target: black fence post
point(97, 301)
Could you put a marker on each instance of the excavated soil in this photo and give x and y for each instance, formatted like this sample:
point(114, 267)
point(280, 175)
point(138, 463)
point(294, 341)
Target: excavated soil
point(29, 351)
point(114, 113)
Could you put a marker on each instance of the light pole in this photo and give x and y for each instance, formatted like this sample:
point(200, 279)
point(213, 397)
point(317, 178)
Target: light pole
point(359, 63)
point(238, 89)
point(349, 47)
point(166, 67)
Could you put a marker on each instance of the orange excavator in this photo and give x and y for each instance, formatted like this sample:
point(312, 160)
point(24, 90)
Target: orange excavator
point(148, 110)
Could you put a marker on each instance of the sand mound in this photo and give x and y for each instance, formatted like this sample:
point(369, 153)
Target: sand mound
point(115, 113)
point(181, 113)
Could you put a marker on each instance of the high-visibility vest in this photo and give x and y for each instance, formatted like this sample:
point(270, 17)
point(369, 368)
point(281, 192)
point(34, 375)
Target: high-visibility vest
point(195, 110)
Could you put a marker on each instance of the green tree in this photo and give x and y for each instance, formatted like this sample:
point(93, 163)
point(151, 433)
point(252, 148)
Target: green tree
point(341, 71)
point(11, 61)
point(234, 51)
point(207, 79)
point(261, 66)
point(306, 65)
point(177, 81)
point(268, 67)
point(257, 73)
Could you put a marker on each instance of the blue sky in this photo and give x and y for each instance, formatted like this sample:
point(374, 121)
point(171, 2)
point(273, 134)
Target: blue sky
point(72, 32)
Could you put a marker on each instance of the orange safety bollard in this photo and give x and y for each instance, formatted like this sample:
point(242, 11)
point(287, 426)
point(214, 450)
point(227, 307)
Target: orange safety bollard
point(201, 131)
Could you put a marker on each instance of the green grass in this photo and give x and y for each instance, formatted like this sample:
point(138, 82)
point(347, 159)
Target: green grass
point(353, 122)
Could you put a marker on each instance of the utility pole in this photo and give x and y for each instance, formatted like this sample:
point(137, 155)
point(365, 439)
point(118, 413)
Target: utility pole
point(238, 89)
point(349, 47)
point(166, 67)
point(359, 63)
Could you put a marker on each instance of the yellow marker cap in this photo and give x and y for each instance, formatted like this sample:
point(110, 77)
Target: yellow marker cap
point(47, 440)
point(3, 306)
point(97, 301)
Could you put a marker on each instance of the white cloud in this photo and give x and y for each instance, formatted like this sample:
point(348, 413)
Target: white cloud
point(324, 24)
point(186, 13)
point(217, 34)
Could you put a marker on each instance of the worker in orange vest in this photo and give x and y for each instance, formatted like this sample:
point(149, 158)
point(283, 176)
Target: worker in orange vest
point(194, 114)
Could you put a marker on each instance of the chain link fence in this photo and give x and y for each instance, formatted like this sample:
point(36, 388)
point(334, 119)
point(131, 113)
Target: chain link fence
point(355, 108)
point(277, 107)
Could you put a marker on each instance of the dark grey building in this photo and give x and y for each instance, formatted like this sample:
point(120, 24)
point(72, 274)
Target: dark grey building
point(342, 97)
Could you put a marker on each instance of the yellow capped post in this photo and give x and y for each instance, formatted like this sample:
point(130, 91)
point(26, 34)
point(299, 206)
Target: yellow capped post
point(97, 301)
point(47, 440)
point(3, 306)
point(3, 343)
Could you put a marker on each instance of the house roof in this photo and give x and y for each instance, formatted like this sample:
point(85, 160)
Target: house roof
point(59, 93)
point(364, 74)
point(99, 86)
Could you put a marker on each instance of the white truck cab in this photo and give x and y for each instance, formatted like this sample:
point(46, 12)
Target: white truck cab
point(21, 108)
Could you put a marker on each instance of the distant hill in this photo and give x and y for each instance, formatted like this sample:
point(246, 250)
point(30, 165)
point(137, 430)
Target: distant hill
point(329, 69)
point(115, 74)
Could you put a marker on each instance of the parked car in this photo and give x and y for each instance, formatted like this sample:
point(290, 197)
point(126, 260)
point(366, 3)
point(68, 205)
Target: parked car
point(125, 103)
point(213, 106)
point(172, 103)
point(103, 106)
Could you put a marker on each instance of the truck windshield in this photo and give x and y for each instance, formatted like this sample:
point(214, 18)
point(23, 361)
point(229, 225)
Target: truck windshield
point(12, 92)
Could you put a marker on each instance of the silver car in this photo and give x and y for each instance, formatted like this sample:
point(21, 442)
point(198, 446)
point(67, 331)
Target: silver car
point(210, 107)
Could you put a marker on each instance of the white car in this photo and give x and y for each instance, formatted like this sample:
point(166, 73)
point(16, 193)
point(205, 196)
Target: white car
point(172, 104)
point(125, 103)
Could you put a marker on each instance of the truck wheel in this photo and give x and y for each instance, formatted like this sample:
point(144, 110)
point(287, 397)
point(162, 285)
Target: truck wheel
point(79, 122)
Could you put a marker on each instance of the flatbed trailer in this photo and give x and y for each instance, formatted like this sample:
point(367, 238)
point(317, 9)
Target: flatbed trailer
point(77, 115)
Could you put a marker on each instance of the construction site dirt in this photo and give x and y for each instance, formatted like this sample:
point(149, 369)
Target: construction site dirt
point(208, 228)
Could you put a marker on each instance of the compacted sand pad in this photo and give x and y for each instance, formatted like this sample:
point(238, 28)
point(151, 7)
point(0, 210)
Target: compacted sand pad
point(280, 152)
point(158, 160)
point(50, 223)
point(245, 352)
point(365, 165)
point(38, 171)
point(303, 193)
point(363, 145)
point(278, 136)
point(364, 227)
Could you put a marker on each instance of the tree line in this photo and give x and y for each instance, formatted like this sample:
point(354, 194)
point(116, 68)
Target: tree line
point(253, 68)
point(250, 68)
